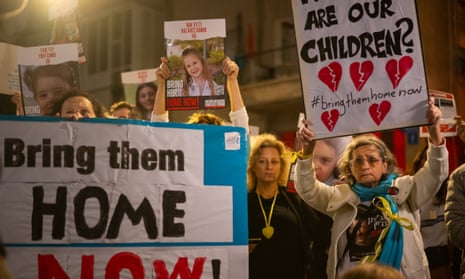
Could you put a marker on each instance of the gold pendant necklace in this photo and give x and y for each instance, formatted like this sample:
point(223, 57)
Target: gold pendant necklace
point(268, 230)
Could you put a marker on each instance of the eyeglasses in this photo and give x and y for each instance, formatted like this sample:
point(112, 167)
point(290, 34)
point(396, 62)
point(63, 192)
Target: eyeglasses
point(358, 162)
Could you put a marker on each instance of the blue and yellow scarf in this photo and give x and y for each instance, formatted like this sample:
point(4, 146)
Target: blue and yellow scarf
point(391, 252)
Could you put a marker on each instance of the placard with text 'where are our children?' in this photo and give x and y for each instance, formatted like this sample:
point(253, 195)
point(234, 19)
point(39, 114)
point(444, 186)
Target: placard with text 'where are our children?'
point(195, 51)
point(361, 65)
point(146, 200)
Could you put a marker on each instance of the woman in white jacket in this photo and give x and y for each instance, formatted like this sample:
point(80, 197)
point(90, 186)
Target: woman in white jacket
point(375, 213)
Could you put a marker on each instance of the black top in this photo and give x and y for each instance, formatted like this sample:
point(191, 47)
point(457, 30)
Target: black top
point(288, 253)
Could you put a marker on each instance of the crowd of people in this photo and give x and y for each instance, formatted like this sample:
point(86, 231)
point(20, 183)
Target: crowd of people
point(354, 215)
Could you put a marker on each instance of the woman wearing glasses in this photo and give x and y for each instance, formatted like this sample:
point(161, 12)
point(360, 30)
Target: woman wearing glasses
point(375, 212)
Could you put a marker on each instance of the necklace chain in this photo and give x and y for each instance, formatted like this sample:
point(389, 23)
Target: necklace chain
point(268, 230)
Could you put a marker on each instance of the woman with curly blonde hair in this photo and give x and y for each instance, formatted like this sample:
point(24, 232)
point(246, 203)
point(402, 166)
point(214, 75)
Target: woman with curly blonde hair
point(281, 226)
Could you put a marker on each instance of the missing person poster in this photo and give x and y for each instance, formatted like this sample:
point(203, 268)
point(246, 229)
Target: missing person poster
point(361, 65)
point(46, 73)
point(147, 200)
point(140, 88)
point(195, 52)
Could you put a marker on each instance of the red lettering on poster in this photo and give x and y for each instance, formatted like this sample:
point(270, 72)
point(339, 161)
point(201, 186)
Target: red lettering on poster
point(191, 102)
point(181, 269)
point(174, 102)
point(87, 267)
point(124, 260)
point(142, 76)
point(49, 268)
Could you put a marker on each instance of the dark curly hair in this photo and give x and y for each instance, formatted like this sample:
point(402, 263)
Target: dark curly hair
point(99, 109)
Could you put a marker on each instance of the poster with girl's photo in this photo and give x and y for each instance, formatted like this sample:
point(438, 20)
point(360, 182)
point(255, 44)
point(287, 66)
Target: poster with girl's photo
point(46, 73)
point(195, 52)
point(140, 89)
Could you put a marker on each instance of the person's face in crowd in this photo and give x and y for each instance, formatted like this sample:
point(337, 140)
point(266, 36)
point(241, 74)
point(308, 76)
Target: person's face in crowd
point(367, 166)
point(324, 160)
point(193, 65)
point(268, 165)
point(77, 107)
point(122, 113)
point(48, 89)
point(146, 98)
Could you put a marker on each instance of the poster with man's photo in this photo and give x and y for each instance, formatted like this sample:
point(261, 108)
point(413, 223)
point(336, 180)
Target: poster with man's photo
point(46, 73)
point(195, 52)
point(361, 65)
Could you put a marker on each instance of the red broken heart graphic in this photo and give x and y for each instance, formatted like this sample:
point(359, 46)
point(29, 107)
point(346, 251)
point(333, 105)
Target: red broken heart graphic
point(360, 73)
point(331, 75)
point(330, 118)
point(378, 112)
point(397, 70)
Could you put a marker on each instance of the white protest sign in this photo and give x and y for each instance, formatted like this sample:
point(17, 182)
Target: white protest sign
point(133, 79)
point(47, 72)
point(48, 54)
point(9, 78)
point(361, 65)
point(447, 124)
point(144, 200)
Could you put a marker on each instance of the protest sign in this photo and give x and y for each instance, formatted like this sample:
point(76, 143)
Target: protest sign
point(447, 124)
point(147, 200)
point(9, 79)
point(64, 15)
point(133, 79)
point(45, 73)
point(195, 52)
point(361, 65)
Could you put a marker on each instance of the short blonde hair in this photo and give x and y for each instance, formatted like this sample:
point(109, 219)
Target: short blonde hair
point(202, 117)
point(124, 104)
point(257, 144)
